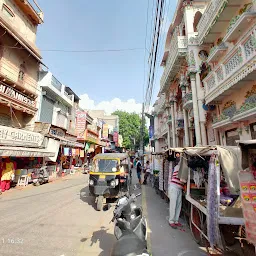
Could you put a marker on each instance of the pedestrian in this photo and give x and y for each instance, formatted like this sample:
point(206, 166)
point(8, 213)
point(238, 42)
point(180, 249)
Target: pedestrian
point(147, 172)
point(139, 169)
point(7, 173)
point(175, 195)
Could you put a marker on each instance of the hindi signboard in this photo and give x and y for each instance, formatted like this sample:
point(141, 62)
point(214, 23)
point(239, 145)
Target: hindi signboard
point(80, 124)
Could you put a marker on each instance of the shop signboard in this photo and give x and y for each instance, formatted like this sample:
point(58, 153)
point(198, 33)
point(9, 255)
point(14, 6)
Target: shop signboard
point(14, 94)
point(115, 138)
point(90, 136)
point(105, 131)
point(57, 132)
point(80, 124)
point(16, 137)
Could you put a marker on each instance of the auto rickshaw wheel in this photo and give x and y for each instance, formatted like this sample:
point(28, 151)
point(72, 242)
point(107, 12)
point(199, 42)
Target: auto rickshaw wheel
point(99, 203)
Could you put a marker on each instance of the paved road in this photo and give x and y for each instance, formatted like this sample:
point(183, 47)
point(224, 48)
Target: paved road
point(58, 219)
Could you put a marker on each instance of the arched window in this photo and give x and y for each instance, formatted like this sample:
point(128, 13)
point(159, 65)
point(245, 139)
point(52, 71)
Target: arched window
point(22, 71)
point(197, 17)
point(7, 11)
point(183, 30)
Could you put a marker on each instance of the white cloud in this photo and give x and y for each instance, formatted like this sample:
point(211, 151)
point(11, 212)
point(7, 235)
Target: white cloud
point(110, 106)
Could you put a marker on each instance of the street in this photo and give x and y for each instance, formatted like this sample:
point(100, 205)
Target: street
point(59, 219)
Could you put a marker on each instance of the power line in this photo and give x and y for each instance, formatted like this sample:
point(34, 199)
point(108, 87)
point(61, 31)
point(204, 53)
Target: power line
point(81, 51)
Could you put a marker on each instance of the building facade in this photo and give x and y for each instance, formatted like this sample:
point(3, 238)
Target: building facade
point(207, 92)
point(19, 62)
point(58, 102)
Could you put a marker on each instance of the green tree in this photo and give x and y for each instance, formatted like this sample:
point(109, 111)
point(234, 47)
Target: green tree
point(129, 128)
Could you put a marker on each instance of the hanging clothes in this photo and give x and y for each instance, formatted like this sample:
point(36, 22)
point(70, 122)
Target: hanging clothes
point(213, 204)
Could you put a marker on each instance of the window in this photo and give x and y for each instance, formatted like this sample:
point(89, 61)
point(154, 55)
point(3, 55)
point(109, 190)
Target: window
point(22, 72)
point(7, 11)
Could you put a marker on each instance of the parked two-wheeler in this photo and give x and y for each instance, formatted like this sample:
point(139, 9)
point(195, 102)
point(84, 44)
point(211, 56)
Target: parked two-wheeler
point(130, 228)
point(40, 176)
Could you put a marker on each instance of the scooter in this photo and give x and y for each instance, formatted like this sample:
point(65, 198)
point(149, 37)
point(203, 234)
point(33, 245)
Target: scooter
point(130, 228)
point(40, 176)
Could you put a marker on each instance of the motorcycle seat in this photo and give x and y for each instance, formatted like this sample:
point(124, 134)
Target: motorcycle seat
point(129, 245)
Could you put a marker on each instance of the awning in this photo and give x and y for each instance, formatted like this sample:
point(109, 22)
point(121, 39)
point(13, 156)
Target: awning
point(25, 152)
point(69, 143)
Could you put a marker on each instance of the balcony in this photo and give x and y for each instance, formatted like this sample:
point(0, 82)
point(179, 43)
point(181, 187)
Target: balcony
point(216, 17)
point(14, 30)
point(50, 84)
point(10, 73)
point(238, 65)
point(240, 23)
point(216, 52)
point(187, 101)
point(159, 107)
point(177, 53)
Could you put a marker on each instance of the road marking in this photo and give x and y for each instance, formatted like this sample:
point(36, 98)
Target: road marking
point(145, 210)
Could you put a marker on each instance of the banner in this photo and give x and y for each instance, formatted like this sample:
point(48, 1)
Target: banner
point(115, 138)
point(151, 131)
point(80, 124)
point(105, 131)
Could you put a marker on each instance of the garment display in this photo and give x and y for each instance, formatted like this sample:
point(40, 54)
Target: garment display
point(213, 204)
point(198, 177)
point(161, 176)
point(166, 174)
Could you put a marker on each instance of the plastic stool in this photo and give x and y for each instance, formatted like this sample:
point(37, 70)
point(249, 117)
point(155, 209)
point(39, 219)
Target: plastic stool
point(23, 180)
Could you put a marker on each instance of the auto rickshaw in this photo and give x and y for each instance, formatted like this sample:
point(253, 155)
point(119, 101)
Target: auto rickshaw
point(110, 176)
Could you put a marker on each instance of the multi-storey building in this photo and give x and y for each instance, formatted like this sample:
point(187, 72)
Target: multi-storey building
point(19, 62)
point(58, 102)
point(207, 92)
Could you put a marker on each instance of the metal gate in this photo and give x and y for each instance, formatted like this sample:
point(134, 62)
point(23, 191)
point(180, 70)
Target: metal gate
point(46, 110)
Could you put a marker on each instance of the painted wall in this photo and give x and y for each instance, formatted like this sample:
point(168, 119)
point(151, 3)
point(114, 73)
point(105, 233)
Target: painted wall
point(20, 21)
point(11, 61)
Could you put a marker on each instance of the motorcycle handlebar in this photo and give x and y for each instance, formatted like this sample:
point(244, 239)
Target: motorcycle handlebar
point(130, 199)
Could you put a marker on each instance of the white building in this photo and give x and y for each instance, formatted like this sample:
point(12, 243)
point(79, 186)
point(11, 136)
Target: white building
point(56, 105)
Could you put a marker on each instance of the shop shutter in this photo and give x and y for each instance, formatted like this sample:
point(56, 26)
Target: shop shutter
point(61, 120)
point(231, 137)
point(253, 131)
point(46, 110)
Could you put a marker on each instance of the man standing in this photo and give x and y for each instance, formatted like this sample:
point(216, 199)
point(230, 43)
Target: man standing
point(139, 169)
point(175, 196)
point(147, 172)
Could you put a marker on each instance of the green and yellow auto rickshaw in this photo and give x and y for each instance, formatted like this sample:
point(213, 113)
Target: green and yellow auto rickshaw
point(110, 176)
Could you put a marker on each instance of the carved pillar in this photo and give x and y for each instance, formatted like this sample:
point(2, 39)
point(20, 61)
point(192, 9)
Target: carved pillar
point(185, 115)
point(173, 123)
point(200, 96)
point(195, 109)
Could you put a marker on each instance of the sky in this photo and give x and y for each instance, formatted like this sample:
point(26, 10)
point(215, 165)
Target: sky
point(111, 80)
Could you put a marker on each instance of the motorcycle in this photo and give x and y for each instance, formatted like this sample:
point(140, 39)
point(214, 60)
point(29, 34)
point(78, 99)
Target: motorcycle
point(130, 228)
point(40, 176)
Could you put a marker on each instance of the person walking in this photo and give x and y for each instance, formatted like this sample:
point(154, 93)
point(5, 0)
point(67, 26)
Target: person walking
point(147, 173)
point(139, 169)
point(175, 196)
point(7, 173)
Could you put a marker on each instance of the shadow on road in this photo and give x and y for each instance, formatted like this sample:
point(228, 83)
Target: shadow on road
point(106, 241)
point(85, 197)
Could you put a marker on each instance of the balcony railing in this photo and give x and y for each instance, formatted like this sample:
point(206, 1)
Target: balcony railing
point(226, 74)
point(178, 45)
point(209, 16)
point(11, 72)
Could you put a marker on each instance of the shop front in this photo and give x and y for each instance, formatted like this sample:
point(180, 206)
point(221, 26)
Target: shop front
point(67, 149)
point(22, 151)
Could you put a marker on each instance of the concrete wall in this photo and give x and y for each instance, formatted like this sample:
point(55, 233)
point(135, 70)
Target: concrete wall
point(20, 21)
point(13, 58)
